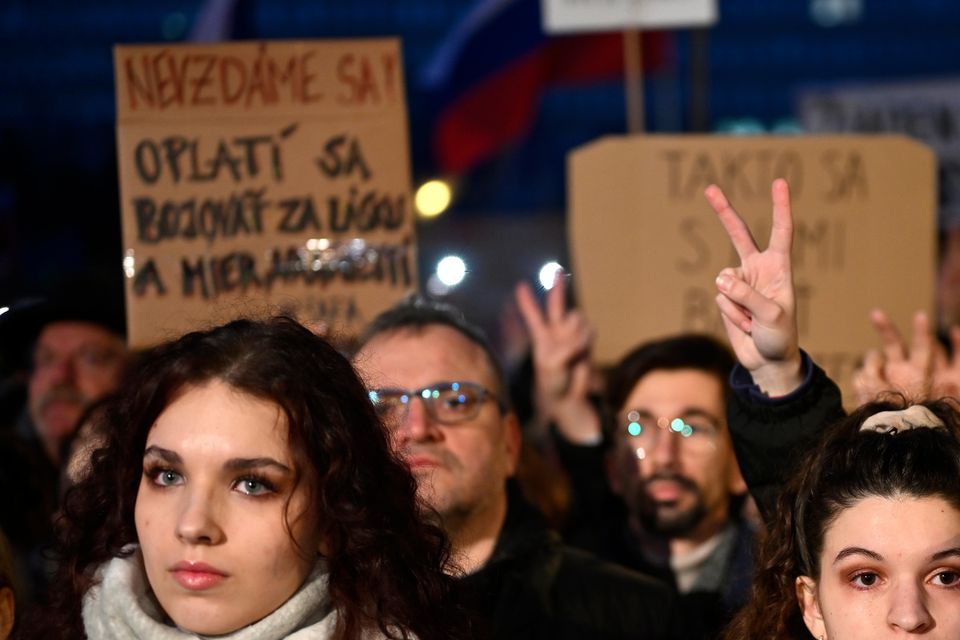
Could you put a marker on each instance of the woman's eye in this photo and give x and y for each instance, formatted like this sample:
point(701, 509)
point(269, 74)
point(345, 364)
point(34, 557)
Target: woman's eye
point(866, 579)
point(947, 579)
point(167, 477)
point(253, 487)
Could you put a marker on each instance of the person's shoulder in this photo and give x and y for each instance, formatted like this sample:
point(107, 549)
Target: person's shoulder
point(609, 600)
point(584, 568)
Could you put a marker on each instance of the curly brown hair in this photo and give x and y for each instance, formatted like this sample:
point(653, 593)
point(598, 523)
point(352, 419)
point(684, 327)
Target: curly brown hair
point(847, 466)
point(386, 560)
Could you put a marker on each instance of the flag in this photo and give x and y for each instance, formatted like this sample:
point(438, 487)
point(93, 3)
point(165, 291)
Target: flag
point(490, 72)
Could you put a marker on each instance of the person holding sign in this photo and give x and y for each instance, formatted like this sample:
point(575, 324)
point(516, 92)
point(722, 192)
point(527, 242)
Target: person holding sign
point(247, 490)
point(863, 536)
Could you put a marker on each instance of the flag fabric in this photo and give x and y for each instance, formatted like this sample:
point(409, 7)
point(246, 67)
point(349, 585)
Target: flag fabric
point(489, 74)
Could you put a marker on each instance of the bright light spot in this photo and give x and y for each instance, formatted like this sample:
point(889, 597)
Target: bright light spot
point(548, 273)
point(677, 425)
point(641, 453)
point(3, 310)
point(433, 198)
point(129, 264)
point(451, 270)
point(318, 244)
point(687, 431)
point(634, 428)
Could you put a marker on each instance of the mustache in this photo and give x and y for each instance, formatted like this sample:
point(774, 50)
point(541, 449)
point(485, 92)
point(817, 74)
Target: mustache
point(440, 454)
point(676, 478)
point(61, 393)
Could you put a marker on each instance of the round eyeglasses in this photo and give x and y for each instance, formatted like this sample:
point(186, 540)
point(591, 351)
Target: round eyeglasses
point(445, 402)
point(695, 434)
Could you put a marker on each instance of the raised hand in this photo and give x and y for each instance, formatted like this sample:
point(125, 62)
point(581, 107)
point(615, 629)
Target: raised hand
point(756, 299)
point(561, 341)
point(918, 371)
point(895, 366)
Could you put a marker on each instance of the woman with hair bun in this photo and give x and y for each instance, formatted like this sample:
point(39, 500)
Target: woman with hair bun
point(864, 529)
point(247, 490)
point(865, 541)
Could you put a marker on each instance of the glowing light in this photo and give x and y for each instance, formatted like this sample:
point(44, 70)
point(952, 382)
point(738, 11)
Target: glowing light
point(432, 198)
point(634, 428)
point(451, 270)
point(677, 425)
point(641, 453)
point(3, 310)
point(129, 264)
point(687, 431)
point(548, 273)
point(318, 244)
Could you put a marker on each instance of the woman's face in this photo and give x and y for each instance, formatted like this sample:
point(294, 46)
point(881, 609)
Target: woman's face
point(210, 511)
point(890, 568)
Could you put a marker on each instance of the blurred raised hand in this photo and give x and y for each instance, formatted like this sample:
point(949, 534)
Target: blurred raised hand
point(921, 369)
point(560, 339)
point(756, 299)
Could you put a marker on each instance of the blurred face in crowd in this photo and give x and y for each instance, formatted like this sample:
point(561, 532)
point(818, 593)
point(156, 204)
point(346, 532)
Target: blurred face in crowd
point(462, 448)
point(673, 461)
point(890, 568)
point(226, 532)
point(74, 364)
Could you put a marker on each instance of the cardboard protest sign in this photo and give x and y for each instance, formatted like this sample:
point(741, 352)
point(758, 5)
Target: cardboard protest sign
point(263, 175)
point(927, 110)
point(569, 16)
point(646, 246)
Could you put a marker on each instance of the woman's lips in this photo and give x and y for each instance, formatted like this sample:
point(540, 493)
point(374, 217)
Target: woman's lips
point(197, 576)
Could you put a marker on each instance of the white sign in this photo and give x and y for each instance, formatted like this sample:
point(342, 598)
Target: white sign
point(570, 16)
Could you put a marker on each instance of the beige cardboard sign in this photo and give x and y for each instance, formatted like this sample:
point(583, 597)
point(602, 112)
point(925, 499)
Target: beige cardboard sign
point(263, 177)
point(647, 246)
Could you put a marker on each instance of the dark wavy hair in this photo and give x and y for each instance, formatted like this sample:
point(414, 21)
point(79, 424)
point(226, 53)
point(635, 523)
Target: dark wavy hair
point(847, 466)
point(385, 559)
point(685, 351)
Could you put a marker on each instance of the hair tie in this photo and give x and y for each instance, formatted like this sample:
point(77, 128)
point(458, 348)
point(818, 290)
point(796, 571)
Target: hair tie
point(914, 417)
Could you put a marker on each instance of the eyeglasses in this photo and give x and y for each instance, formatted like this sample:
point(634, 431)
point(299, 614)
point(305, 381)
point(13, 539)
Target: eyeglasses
point(694, 434)
point(445, 402)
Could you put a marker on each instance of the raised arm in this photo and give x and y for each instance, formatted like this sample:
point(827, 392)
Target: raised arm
point(756, 299)
point(561, 339)
point(772, 426)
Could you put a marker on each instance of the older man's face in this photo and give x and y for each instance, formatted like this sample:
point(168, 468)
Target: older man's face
point(74, 364)
point(461, 469)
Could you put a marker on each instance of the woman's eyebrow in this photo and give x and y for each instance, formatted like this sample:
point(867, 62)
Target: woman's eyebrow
point(946, 553)
point(857, 551)
point(166, 455)
point(243, 464)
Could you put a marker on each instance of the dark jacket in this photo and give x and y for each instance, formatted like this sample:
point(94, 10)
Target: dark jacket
point(770, 435)
point(534, 587)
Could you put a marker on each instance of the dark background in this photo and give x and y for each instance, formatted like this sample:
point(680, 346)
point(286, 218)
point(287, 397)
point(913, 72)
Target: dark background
point(59, 209)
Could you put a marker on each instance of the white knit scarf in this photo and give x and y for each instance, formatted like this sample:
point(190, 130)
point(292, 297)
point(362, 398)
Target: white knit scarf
point(120, 607)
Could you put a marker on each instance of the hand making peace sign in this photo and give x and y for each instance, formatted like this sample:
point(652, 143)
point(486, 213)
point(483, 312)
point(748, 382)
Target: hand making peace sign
point(756, 299)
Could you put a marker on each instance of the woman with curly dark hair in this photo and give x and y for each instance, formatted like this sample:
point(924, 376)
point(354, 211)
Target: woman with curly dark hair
point(247, 490)
point(865, 541)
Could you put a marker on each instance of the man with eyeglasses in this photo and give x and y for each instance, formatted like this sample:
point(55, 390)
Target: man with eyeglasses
point(440, 390)
point(656, 486)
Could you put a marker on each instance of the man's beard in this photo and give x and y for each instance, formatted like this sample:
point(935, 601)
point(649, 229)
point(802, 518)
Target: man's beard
point(666, 519)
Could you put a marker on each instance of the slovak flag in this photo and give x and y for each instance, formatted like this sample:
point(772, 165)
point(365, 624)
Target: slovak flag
point(489, 73)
